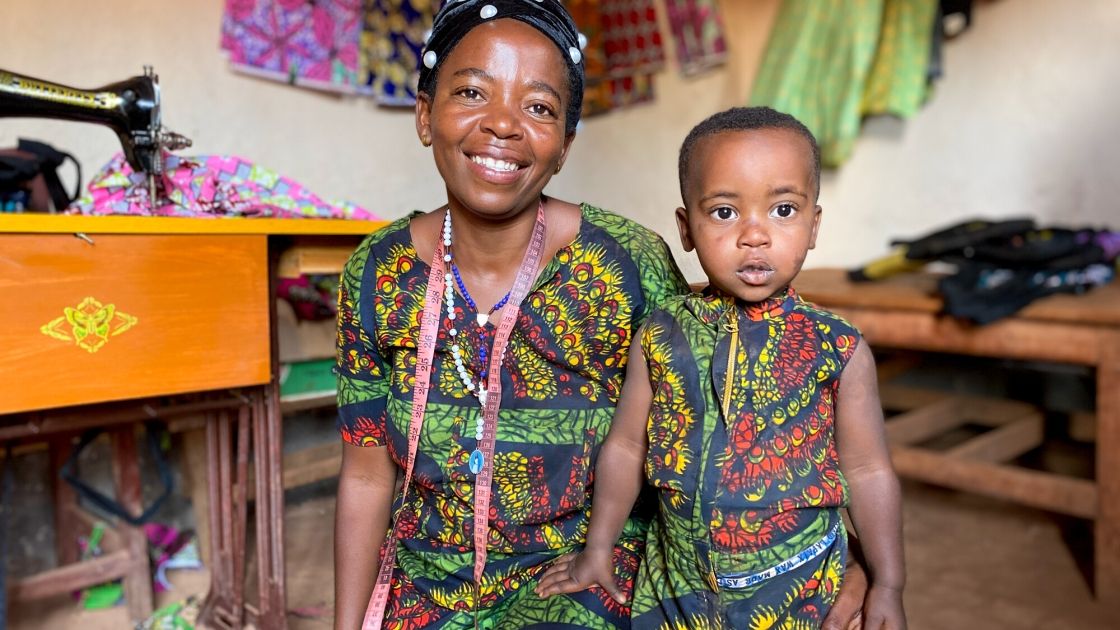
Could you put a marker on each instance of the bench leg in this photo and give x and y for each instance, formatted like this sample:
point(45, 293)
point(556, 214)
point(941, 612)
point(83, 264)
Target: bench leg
point(1107, 551)
point(126, 477)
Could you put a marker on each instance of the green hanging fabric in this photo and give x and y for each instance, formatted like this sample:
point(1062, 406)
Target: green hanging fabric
point(821, 58)
point(898, 83)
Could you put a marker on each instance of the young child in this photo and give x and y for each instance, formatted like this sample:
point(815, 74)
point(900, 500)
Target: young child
point(755, 415)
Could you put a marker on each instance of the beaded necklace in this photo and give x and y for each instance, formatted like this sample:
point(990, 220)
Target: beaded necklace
point(479, 389)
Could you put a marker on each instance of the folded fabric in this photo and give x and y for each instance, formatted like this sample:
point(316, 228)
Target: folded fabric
point(207, 186)
point(310, 44)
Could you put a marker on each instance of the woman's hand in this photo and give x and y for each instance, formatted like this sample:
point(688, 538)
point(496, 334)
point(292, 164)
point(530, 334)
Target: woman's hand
point(847, 611)
point(883, 609)
point(576, 572)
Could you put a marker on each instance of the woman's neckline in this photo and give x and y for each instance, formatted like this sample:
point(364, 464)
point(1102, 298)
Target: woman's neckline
point(547, 263)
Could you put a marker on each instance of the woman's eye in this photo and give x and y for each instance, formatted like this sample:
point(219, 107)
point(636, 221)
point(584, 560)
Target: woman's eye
point(783, 211)
point(470, 94)
point(723, 213)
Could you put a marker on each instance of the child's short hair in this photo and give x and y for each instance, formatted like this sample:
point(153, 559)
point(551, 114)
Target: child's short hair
point(746, 119)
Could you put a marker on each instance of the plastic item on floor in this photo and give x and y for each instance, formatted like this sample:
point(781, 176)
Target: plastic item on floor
point(306, 378)
point(181, 615)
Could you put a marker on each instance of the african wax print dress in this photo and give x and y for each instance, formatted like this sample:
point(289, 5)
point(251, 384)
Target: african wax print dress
point(748, 533)
point(561, 378)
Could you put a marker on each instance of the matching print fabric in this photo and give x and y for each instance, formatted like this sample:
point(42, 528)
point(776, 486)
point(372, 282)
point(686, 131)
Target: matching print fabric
point(561, 379)
point(743, 493)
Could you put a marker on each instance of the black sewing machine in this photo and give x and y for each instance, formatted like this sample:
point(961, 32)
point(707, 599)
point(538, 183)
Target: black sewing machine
point(131, 108)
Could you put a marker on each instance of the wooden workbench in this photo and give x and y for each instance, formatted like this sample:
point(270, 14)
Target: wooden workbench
point(107, 321)
point(903, 312)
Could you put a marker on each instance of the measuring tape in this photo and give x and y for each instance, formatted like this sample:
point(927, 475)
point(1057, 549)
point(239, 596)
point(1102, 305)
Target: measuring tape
point(426, 344)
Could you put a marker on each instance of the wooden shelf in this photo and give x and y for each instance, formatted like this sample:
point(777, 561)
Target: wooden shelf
point(310, 400)
point(71, 223)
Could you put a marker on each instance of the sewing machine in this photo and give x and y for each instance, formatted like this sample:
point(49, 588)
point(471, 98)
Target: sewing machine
point(131, 108)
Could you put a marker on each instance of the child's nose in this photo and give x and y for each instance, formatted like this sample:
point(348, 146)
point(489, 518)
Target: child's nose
point(754, 234)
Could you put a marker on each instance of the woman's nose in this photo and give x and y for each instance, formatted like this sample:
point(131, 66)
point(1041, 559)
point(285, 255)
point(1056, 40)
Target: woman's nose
point(501, 120)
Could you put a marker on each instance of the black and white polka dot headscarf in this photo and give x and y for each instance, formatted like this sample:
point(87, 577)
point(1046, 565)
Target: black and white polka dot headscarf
point(459, 17)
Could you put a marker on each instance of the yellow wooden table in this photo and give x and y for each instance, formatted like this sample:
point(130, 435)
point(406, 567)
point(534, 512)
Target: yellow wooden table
point(106, 321)
point(904, 312)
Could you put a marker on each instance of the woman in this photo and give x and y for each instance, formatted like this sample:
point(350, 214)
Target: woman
point(500, 94)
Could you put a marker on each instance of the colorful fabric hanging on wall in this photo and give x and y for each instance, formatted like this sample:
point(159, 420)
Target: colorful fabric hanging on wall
point(208, 186)
point(392, 41)
point(898, 83)
point(631, 37)
point(310, 44)
point(697, 33)
point(820, 58)
point(596, 84)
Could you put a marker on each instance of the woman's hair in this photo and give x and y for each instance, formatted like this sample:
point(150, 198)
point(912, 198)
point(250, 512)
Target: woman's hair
point(747, 119)
point(459, 17)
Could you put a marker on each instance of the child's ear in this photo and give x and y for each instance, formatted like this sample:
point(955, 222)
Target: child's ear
point(816, 226)
point(686, 237)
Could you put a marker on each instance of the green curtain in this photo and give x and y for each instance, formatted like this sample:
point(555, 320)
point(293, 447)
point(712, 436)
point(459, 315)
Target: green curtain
point(830, 62)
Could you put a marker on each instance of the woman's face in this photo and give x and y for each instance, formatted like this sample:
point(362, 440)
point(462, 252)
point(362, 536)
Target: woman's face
point(496, 120)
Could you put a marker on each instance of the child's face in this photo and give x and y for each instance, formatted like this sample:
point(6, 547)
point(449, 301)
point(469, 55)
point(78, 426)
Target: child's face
point(751, 210)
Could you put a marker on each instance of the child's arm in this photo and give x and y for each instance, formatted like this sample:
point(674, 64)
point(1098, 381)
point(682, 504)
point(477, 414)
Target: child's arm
point(875, 507)
point(618, 480)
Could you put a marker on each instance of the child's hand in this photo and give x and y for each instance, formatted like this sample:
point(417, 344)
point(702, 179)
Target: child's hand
point(883, 609)
point(577, 572)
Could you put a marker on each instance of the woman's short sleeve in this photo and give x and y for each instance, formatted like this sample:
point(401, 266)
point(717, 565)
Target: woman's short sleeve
point(363, 380)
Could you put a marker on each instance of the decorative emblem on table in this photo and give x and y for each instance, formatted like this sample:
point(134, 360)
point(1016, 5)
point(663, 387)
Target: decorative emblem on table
point(89, 325)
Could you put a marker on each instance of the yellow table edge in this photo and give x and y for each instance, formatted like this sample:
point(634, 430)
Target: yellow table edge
point(67, 224)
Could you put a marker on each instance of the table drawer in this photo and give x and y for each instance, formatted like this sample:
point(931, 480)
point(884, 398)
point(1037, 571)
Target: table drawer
point(129, 316)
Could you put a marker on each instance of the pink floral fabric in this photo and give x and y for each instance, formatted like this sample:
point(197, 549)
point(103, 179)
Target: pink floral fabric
point(311, 44)
point(208, 186)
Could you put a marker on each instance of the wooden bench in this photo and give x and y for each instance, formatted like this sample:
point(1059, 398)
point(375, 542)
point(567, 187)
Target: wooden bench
point(903, 312)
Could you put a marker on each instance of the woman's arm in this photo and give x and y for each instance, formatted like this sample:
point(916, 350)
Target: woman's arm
point(365, 493)
point(876, 503)
point(618, 480)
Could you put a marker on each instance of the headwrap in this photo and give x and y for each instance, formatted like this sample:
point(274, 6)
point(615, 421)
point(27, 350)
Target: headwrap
point(459, 17)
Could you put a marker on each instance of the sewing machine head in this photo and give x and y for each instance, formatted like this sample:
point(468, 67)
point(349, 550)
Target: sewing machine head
point(131, 108)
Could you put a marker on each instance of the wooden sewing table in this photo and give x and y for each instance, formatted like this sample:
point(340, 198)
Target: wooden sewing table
point(902, 312)
point(109, 321)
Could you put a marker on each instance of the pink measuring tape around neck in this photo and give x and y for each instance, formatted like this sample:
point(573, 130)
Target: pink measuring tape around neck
point(429, 329)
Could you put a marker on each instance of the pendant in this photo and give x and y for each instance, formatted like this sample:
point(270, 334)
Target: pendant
point(476, 462)
point(482, 396)
point(483, 318)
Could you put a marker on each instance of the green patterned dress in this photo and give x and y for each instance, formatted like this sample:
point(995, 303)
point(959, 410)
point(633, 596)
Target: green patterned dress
point(561, 379)
point(749, 532)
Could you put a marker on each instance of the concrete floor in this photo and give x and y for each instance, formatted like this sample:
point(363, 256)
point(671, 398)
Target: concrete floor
point(972, 563)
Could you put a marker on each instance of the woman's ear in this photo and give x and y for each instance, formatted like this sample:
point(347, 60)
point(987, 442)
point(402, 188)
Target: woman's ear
point(682, 227)
point(424, 119)
point(564, 153)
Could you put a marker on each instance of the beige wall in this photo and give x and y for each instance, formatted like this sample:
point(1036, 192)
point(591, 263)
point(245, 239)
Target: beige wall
point(1024, 121)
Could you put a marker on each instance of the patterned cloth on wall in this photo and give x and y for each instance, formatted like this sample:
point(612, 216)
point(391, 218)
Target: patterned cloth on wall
point(310, 44)
point(899, 80)
point(697, 33)
point(631, 37)
point(392, 41)
point(819, 60)
point(597, 87)
point(208, 186)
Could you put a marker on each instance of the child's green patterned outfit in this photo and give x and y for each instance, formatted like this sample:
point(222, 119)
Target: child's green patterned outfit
point(749, 532)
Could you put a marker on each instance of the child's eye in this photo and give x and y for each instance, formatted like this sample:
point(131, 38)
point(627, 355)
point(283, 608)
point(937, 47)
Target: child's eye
point(724, 213)
point(783, 211)
point(540, 109)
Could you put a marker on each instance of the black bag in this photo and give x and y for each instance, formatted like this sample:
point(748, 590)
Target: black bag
point(29, 179)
